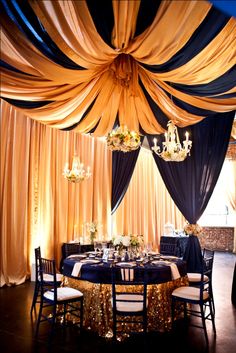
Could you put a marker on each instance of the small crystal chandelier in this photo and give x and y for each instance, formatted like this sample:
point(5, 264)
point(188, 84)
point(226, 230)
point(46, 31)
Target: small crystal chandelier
point(77, 172)
point(122, 139)
point(172, 148)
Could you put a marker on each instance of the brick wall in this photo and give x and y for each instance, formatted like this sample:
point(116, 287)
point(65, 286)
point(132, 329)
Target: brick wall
point(217, 238)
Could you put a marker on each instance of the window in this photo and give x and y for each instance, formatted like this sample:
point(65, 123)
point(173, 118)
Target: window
point(219, 211)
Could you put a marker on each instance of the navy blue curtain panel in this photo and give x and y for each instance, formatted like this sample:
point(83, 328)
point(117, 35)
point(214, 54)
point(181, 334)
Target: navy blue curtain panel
point(191, 183)
point(123, 165)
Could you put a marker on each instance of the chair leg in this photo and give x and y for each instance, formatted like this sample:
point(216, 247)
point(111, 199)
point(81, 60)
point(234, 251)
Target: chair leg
point(204, 322)
point(35, 296)
point(212, 299)
point(54, 316)
point(81, 314)
point(185, 311)
point(212, 313)
point(172, 311)
point(64, 315)
point(39, 319)
point(145, 323)
point(114, 327)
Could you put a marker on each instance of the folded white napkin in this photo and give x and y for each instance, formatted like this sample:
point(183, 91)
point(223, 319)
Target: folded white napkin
point(174, 271)
point(76, 269)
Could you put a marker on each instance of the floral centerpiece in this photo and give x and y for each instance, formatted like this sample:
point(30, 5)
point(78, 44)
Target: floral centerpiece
point(127, 241)
point(136, 240)
point(122, 139)
point(193, 229)
point(92, 229)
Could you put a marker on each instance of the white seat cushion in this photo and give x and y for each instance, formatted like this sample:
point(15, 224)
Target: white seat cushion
point(49, 278)
point(129, 306)
point(191, 293)
point(64, 293)
point(196, 277)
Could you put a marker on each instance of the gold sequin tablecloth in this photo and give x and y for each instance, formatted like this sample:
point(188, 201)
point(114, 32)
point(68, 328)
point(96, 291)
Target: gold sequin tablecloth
point(98, 308)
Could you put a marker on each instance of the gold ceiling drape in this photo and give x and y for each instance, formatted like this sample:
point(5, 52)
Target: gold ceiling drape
point(110, 77)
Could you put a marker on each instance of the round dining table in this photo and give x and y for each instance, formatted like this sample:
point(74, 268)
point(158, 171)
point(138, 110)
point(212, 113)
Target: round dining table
point(92, 276)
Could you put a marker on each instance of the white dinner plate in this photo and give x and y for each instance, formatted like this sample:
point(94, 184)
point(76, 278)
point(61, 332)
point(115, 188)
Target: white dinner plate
point(90, 261)
point(159, 262)
point(168, 257)
point(77, 256)
point(126, 264)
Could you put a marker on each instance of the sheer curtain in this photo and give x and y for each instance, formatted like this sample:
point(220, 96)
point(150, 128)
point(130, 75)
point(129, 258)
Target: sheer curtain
point(147, 205)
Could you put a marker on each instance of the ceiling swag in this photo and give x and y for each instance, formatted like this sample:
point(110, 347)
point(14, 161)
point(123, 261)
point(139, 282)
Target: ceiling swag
point(69, 66)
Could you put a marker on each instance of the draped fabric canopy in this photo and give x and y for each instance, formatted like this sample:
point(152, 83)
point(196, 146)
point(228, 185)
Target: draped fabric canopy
point(86, 65)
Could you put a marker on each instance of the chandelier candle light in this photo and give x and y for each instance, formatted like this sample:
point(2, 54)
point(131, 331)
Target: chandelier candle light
point(77, 172)
point(122, 139)
point(172, 148)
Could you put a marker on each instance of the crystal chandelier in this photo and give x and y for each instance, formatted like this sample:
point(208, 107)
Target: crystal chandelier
point(172, 150)
point(122, 139)
point(77, 172)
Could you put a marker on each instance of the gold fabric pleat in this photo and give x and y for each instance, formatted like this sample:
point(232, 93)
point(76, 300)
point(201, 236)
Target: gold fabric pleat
point(109, 77)
point(171, 29)
point(71, 27)
point(125, 17)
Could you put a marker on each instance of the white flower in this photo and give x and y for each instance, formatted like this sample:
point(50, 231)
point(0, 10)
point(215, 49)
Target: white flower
point(117, 240)
point(126, 240)
point(92, 227)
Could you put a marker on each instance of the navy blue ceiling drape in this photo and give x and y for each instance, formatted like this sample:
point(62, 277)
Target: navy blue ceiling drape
point(191, 183)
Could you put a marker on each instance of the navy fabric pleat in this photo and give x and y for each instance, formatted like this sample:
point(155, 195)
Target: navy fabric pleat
point(160, 116)
point(213, 23)
point(220, 85)
point(11, 68)
point(26, 104)
point(192, 108)
point(24, 17)
point(103, 18)
point(147, 12)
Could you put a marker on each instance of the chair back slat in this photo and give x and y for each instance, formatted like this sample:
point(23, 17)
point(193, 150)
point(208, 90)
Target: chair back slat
point(71, 249)
point(37, 252)
point(129, 297)
point(168, 248)
point(48, 267)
